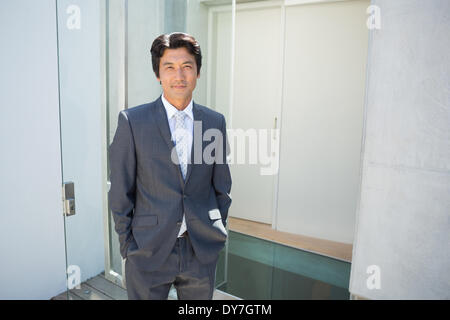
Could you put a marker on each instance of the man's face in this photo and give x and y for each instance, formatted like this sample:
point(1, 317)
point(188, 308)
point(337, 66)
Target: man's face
point(178, 74)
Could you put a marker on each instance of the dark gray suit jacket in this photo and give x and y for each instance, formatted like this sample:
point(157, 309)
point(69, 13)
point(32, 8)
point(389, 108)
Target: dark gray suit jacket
point(148, 194)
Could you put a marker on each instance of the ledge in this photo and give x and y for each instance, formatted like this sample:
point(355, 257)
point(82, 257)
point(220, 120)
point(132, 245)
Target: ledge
point(337, 250)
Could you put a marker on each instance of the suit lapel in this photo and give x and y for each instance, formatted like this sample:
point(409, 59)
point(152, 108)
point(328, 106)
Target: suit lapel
point(163, 125)
point(197, 117)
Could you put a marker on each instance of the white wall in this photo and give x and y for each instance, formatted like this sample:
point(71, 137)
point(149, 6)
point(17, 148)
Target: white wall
point(404, 212)
point(257, 87)
point(31, 222)
point(321, 126)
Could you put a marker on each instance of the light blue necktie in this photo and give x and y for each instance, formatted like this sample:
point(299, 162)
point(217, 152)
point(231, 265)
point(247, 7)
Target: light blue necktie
point(181, 140)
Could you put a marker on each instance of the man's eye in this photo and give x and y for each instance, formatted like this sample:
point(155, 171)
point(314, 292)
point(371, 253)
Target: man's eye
point(188, 67)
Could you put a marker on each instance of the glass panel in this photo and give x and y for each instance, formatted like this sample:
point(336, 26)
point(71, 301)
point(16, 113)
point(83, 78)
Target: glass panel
point(303, 275)
point(260, 269)
point(250, 262)
point(83, 143)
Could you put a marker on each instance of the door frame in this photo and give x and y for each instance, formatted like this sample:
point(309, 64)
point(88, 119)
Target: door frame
point(110, 274)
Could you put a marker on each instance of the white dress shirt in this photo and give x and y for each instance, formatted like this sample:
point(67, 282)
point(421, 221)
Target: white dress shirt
point(189, 122)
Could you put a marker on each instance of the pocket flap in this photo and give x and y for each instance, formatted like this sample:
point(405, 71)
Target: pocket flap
point(215, 214)
point(145, 221)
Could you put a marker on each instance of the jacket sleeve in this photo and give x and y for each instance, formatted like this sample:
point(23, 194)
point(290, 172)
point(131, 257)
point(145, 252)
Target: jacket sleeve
point(122, 194)
point(222, 177)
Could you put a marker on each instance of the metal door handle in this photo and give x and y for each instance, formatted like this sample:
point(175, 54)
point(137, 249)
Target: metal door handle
point(68, 199)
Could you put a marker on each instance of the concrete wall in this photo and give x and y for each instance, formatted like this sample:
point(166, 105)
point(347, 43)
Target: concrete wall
point(403, 228)
point(31, 221)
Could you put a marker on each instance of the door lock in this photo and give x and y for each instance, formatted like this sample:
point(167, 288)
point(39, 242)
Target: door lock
point(68, 198)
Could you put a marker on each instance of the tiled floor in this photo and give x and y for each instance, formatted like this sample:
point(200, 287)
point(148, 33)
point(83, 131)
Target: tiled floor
point(99, 288)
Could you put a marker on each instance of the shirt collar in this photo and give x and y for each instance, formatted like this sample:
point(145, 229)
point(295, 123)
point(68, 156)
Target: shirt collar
point(171, 110)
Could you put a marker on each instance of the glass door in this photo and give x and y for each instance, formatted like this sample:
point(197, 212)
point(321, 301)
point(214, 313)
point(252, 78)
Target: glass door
point(105, 67)
point(81, 56)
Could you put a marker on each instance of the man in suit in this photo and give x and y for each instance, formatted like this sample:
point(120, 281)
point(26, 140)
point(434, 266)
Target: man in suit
point(170, 212)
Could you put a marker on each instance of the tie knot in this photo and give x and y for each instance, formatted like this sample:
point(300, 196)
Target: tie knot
point(180, 115)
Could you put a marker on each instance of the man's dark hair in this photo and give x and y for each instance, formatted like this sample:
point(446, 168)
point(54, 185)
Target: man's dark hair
point(173, 41)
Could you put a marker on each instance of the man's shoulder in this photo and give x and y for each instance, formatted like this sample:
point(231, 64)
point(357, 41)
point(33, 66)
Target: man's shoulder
point(141, 111)
point(210, 113)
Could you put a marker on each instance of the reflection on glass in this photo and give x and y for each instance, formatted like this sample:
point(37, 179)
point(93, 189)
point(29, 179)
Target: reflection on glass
point(260, 269)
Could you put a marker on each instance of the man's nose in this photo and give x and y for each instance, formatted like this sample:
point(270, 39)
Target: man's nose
point(179, 75)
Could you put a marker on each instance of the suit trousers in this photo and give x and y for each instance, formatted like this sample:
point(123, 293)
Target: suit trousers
point(192, 279)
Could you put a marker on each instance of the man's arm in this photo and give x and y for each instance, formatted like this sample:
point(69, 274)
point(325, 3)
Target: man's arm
point(222, 177)
point(122, 194)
